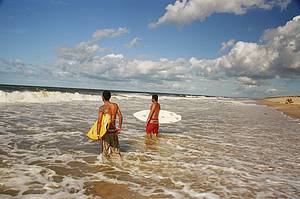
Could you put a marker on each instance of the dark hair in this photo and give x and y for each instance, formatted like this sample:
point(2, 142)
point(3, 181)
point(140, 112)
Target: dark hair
point(155, 97)
point(106, 95)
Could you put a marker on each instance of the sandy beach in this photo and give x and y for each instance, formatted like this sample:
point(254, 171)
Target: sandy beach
point(280, 104)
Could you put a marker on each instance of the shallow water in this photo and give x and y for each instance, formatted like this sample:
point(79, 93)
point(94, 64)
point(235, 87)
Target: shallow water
point(222, 148)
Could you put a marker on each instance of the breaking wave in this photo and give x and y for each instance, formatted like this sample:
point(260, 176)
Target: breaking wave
point(44, 97)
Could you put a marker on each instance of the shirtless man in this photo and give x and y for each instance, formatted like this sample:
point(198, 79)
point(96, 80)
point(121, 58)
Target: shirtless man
point(152, 121)
point(110, 139)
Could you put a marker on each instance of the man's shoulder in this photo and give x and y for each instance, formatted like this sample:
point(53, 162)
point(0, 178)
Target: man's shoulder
point(114, 104)
point(156, 104)
point(101, 108)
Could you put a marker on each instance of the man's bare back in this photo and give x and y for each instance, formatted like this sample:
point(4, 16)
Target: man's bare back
point(113, 110)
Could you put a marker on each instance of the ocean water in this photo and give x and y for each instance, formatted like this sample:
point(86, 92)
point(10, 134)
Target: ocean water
point(222, 148)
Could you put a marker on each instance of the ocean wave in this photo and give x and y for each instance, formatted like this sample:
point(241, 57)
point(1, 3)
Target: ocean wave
point(58, 96)
point(44, 97)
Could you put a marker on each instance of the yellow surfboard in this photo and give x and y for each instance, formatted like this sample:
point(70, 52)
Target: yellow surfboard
point(92, 134)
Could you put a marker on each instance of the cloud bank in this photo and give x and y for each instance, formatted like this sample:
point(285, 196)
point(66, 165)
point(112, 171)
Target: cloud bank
point(251, 65)
point(276, 55)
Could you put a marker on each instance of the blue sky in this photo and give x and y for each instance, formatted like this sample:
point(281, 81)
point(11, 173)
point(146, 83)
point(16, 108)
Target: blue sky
point(232, 48)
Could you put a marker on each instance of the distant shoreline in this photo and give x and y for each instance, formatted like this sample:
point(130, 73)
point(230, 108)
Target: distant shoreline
point(280, 104)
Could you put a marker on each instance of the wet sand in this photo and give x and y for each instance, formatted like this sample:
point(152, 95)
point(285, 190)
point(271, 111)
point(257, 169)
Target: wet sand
point(114, 191)
point(279, 103)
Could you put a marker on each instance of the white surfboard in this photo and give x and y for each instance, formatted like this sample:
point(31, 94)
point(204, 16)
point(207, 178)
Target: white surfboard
point(165, 117)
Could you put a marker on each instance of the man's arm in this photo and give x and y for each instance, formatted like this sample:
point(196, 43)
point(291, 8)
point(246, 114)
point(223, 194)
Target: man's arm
point(100, 114)
point(120, 119)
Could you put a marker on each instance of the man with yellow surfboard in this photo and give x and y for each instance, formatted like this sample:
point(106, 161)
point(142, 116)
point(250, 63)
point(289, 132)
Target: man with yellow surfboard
point(110, 140)
point(105, 129)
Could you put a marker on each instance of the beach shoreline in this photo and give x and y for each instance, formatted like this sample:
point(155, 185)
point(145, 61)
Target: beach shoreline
point(280, 103)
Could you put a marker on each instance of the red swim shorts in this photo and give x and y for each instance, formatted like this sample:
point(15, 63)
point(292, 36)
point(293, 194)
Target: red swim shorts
point(152, 128)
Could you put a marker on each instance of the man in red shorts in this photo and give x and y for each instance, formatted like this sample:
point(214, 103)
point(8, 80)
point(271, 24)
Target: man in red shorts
point(152, 121)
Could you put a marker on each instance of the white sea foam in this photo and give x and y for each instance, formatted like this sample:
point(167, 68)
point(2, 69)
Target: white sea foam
point(190, 192)
point(44, 97)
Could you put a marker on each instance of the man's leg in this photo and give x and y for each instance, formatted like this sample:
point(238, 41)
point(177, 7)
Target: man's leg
point(148, 135)
point(155, 131)
point(105, 145)
point(148, 131)
point(115, 147)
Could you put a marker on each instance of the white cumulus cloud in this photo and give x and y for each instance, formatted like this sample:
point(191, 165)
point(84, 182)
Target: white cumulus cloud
point(184, 12)
point(85, 52)
point(278, 55)
point(227, 45)
point(82, 52)
point(118, 67)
